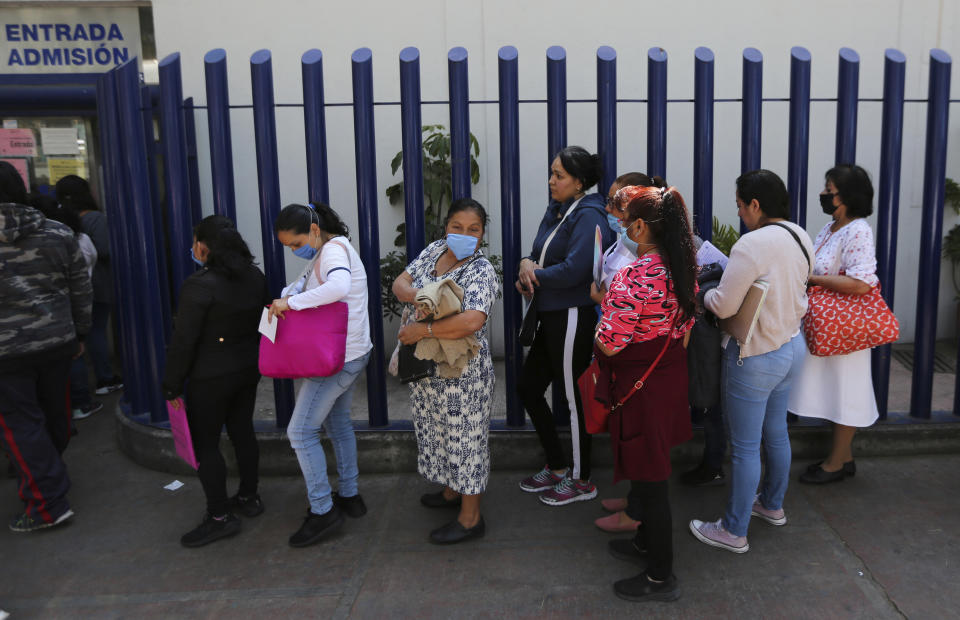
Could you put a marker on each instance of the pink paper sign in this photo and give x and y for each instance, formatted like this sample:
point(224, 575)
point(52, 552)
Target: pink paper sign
point(21, 166)
point(18, 143)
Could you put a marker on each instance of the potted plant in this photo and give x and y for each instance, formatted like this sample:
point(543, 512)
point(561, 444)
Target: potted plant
point(951, 241)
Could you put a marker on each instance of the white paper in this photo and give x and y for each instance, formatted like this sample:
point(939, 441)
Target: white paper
point(709, 254)
point(268, 329)
point(59, 141)
point(9, 123)
point(173, 486)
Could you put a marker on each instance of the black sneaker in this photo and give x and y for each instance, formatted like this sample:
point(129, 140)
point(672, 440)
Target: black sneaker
point(316, 527)
point(26, 523)
point(640, 589)
point(703, 476)
point(211, 529)
point(110, 385)
point(352, 506)
point(247, 506)
point(87, 411)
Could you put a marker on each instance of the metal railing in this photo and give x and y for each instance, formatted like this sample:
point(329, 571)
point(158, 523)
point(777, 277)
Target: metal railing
point(141, 278)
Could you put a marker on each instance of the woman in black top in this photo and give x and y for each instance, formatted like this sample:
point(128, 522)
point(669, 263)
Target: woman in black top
point(216, 346)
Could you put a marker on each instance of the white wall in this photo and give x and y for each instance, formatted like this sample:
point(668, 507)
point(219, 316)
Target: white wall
point(288, 28)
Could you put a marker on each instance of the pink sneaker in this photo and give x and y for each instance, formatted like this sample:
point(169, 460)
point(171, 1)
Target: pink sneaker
point(714, 534)
point(773, 517)
point(543, 480)
point(567, 491)
point(614, 523)
point(615, 504)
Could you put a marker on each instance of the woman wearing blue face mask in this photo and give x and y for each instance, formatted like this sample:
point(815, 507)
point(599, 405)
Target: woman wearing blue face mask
point(452, 416)
point(624, 250)
point(215, 345)
point(334, 272)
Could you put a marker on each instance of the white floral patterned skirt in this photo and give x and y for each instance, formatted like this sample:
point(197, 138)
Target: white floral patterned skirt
point(451, 418)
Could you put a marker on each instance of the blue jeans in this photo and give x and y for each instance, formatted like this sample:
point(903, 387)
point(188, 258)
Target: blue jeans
point(755, 403)
point(325, 402)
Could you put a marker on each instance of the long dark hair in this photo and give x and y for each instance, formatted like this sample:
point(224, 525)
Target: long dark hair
point(297, 218)
point(228, 252)
point(12, 188)
point(665, 213)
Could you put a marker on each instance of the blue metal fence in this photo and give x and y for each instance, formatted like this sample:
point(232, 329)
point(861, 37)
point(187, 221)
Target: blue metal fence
point(140, 272)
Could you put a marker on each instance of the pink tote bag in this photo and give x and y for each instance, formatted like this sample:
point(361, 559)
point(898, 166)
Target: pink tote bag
point(309, 343)
point(182, 440)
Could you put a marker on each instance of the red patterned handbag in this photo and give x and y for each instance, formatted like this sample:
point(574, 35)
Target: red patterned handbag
point(840, 323)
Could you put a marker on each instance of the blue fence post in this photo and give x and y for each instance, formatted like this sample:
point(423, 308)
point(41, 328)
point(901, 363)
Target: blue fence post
point(193, 161)
point(798, 142)
point(366, 163)
point(847, 94)
point(888, 206)
point(703, 143)
point(462, 183)
point(115, 202)
point(557, 100)
point(268, 179)
point(751, 138)
point(931, 229)
point(411, 127)
point(156, 211)
point(607, 115)
point(147, 280)
point(218, 122)
point(508, 78)
point(176, 173)
point(315, 126)
point(657, 112)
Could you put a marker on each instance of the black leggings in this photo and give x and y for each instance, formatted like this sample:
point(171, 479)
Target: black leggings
point(212, 403)
point(560, 353)
point(649, 502)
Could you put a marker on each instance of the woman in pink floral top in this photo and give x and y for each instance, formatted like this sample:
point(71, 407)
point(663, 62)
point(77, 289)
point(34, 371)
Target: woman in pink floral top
point(646, 314)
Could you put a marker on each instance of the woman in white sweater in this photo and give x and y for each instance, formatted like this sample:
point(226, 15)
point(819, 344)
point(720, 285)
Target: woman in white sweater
point(757, 375)
point(334, 273)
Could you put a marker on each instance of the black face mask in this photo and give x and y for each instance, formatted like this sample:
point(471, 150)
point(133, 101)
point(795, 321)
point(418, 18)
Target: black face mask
point(826, 203)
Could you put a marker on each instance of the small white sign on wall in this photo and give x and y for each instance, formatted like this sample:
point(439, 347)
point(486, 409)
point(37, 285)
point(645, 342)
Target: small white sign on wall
point(67, 39)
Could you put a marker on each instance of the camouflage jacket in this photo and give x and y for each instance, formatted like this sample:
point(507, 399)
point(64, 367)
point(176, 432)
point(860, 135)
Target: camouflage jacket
point(45, 292)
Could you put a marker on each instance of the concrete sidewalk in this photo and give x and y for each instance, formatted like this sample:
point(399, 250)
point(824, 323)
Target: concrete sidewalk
point(881, 545)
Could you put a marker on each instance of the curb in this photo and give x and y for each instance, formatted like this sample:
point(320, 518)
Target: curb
point(396, 451)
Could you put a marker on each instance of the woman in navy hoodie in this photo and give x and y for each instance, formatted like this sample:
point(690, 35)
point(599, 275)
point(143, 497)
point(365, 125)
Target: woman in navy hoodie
point(556, 278)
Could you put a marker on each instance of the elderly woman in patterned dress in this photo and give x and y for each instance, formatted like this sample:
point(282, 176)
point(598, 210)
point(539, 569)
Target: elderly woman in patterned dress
point(451, 417)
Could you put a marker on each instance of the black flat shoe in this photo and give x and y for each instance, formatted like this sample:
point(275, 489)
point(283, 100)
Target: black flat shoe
point(437, 500)
point(211, 529)
point(640, 589)
point(352, 506)
point(626, 549)
point(454, 532)
point(849, 468)
point(820, 476)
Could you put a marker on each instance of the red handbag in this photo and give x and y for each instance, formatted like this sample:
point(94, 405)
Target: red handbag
point(841, 323)
point(595, 413)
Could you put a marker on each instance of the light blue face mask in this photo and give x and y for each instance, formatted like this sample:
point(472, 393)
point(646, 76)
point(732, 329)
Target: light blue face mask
point(193, 256)
point(628, 243)
point(305, 251)
point(614, 223)
point(462, 246)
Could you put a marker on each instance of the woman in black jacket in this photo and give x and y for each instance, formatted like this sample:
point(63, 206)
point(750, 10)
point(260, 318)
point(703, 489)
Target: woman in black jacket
point(216, 346)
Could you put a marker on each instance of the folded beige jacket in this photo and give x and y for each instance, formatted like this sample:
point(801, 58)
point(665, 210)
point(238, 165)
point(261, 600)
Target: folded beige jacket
point(437, 301)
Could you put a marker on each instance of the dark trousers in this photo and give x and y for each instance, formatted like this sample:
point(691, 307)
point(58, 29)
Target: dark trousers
point(560, 353)
point(97, 344)
point(714, 437)
point(34, 431)
point(649, 502)
point(228, 400)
